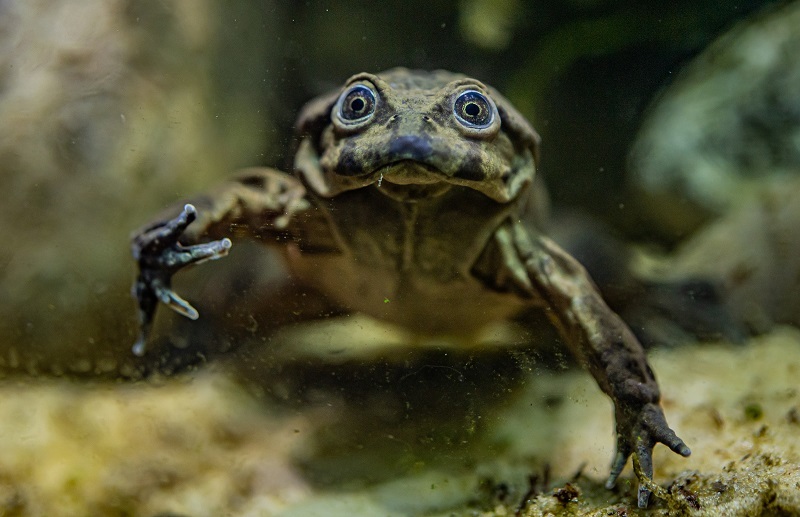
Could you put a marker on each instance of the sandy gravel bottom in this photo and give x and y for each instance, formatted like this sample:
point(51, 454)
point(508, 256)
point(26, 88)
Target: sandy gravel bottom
point(204, 445)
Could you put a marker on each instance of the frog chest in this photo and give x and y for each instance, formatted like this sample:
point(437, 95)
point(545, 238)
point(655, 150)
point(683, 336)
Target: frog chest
point(397, 256)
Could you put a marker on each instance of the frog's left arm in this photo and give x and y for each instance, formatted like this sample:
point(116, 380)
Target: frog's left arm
point(534, 266)
point(259, 201)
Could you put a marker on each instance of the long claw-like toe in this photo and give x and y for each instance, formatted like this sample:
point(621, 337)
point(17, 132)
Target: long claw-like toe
point(162, 235)
point(139, 347)
point(644, 457)
point(200, 253)
point(173, 229)
point(181, 306)
point(675, 444)
point(643, 499)
point(620, 459)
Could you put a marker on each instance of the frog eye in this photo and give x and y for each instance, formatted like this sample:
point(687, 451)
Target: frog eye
point(356, 104)
point(474, 110)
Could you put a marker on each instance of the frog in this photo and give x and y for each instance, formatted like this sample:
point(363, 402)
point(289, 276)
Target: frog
point(417, 188)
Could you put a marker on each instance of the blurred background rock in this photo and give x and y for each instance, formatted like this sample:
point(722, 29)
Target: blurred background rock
point(109, 109)
point(726, 129)
point(718, 161)
point(113, 109)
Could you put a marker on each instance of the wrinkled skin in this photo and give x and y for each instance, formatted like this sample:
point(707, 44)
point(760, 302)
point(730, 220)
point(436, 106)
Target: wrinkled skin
point(417, 187)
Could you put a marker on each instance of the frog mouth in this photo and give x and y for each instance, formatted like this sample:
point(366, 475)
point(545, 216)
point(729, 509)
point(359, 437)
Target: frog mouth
point(410, 180)
point(409, 172)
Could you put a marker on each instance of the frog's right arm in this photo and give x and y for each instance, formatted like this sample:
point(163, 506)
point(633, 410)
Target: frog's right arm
point(258, 201)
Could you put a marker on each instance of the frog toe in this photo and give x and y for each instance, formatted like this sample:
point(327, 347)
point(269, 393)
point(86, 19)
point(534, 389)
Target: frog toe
point(620, 459)
point(174, 301)
point(198, 253)
point(163, 234)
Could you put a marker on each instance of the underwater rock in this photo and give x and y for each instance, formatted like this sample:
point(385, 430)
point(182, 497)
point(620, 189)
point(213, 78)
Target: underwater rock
point(104, 115)
point(728, 125)
point(753, 252)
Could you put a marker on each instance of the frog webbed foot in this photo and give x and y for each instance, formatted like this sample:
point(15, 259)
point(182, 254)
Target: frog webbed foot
point(639, 429)
point(160, 255)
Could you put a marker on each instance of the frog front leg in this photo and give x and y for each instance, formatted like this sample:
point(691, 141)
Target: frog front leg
point(258, 202)
point(535, 267)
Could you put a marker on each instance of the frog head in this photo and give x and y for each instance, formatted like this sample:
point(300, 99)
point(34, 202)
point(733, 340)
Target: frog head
point(413, 135)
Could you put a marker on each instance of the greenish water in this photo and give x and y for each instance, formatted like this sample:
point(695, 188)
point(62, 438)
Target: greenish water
point(659, 172)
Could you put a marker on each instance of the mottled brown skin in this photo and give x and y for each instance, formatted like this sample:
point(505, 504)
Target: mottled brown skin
point(414, 187)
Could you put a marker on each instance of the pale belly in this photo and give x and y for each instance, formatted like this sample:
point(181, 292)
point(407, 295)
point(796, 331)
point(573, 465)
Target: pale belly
point(408, 264)
point(460, 307)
